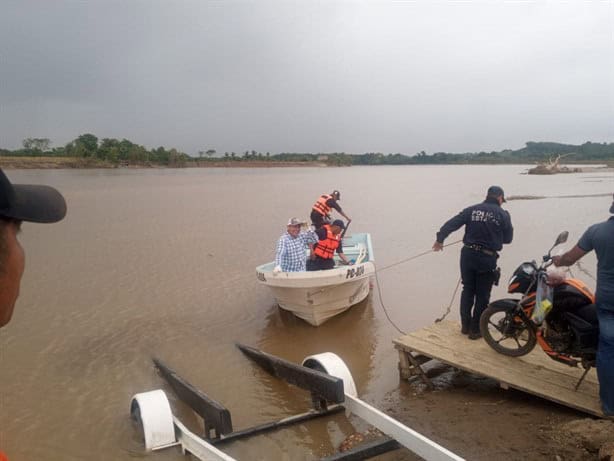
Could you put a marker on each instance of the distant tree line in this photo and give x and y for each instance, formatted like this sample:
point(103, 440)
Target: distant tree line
point(113, 151)
point(89, 147)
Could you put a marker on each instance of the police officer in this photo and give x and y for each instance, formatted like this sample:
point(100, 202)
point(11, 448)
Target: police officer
point(320, 211)
point(487, 228)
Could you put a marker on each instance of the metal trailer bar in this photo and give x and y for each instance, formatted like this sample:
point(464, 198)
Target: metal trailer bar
point(321, 384)
point(365, 450)
point(196, 446)
point(407, 437)
point(216, 416)
point(255, 430)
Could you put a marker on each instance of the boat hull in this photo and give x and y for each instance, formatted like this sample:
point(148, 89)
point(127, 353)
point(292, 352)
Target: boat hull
point(316, 296)
point(318, 304)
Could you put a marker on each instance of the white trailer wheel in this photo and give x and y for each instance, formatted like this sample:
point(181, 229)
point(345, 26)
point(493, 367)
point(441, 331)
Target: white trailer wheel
point(153, 412)
point(332, 364)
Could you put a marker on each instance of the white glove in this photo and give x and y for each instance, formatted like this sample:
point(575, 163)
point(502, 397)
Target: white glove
point(277, 269)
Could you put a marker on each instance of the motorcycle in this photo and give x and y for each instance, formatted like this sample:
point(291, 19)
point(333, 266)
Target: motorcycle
point(555, 312)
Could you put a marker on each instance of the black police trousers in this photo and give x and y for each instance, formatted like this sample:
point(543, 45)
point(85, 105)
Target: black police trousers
point(478, 275)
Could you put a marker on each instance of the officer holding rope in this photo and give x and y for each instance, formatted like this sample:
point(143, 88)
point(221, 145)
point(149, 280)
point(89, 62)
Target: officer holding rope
point(487, 228)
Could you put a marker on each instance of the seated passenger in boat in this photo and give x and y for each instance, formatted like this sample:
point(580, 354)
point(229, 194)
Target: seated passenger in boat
point(329, 236)
point(290, 255)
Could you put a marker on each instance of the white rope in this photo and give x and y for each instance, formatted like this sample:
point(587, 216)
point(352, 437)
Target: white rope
point(379, 291)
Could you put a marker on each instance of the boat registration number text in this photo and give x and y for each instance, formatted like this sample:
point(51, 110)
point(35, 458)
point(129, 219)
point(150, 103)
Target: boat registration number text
point(355, 272)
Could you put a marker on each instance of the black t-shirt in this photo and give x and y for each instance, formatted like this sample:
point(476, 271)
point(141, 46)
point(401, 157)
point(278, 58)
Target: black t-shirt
point(600, 237)
point(331, 202)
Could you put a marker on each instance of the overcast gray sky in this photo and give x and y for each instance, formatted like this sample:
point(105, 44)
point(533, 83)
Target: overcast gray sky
point(308, 76)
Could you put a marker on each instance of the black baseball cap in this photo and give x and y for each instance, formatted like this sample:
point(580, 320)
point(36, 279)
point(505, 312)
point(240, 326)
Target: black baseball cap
point(339, 223)
point(496, 191)
point(33, 203)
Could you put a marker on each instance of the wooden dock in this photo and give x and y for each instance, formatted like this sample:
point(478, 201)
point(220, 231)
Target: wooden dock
point(534, 373)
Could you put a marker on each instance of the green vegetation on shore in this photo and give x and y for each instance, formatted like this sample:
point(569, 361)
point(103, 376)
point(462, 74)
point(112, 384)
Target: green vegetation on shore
point(88, 150)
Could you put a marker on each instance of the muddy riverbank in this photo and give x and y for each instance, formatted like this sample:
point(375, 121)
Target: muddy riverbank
point(25, 163)
point(478, 420)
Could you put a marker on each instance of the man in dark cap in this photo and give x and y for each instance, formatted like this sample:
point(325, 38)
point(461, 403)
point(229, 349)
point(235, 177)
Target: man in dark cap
point(487, 228)
point(600, 237)
point(329, 242)
point(320, 211)
point(18, 203)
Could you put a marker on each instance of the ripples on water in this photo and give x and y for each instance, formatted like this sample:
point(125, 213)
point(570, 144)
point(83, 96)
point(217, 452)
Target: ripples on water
point(161, 263)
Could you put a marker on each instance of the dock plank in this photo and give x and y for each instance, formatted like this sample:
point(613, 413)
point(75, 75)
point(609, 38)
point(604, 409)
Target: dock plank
point(534, 373)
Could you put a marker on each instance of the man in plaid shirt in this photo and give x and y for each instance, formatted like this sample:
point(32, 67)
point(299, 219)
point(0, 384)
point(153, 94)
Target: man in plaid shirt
point(290, 255)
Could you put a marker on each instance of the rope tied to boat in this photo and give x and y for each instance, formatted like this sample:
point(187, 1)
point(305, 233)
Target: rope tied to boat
point(379, 291)
point(451, 302)
point(414, 257)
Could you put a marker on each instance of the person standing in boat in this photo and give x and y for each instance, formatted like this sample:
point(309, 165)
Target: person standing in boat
point(329, 236)
point(290, 255)
point(320, 212)
point(487, 228)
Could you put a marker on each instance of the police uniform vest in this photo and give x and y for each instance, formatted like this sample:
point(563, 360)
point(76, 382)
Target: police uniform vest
point(321, 207)
point(326, 248)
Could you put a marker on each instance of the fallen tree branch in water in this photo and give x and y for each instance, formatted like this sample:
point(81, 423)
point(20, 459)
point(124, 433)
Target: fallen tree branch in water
point(540, 197)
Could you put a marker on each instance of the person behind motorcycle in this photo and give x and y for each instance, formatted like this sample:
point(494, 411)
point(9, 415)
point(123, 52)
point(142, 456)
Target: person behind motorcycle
point(320, 211)
point(487, 228)
point(600, 237)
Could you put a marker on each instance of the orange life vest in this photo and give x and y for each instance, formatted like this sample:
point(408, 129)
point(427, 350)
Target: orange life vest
point(326, 248)
point(320, 206)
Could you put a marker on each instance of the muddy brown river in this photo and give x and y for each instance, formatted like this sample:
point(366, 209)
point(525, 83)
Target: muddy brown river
point(160, 262)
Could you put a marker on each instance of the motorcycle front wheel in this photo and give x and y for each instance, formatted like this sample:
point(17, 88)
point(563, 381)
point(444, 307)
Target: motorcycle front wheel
point(506, 332)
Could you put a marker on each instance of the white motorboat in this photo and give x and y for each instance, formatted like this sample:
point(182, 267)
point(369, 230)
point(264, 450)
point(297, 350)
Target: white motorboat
point(316, 296)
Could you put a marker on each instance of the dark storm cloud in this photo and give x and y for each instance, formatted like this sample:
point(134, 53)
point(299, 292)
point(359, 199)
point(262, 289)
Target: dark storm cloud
point(308, 76)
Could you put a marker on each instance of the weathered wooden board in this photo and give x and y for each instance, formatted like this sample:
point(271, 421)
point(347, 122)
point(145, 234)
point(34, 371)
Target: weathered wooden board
point(534, 373)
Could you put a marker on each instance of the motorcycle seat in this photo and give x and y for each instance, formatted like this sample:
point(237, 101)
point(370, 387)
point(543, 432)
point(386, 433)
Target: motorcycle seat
point(588, 313)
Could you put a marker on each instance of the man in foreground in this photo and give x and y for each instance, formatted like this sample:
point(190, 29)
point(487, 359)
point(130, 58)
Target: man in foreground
point(290, 254)
point(329, 242)
point(18, 203)
point(600, 237)
point(320, 212)
point(487, 228)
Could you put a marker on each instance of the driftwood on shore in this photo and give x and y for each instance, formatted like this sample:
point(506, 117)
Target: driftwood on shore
point(553, 166)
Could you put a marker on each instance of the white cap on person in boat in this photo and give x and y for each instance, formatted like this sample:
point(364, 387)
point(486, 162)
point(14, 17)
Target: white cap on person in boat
point(296, 222)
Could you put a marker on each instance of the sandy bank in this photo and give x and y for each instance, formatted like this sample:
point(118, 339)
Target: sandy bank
point(72, 162)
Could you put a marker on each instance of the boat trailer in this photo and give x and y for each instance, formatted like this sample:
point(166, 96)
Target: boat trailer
point(324, 375)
